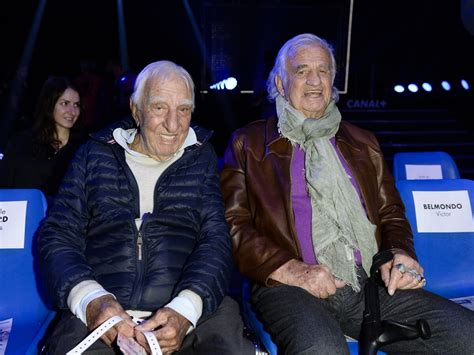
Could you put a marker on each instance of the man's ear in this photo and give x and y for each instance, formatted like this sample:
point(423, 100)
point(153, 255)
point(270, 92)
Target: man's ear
point(279, 85)
point(135, 112)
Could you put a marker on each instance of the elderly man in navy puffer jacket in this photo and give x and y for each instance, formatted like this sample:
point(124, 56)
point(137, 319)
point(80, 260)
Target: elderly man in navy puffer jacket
point(138, 230)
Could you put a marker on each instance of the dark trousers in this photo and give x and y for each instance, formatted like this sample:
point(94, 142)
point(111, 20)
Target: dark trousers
point(300, 323)
point(219, 333)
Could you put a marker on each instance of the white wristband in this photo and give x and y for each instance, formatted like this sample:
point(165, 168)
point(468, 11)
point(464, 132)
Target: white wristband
point(103, 328)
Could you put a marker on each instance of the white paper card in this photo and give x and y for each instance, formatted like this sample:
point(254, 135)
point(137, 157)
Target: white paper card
point(467, 302)
point(423, 172)
point(12, 224)
point(5, 329)
point(443, 211)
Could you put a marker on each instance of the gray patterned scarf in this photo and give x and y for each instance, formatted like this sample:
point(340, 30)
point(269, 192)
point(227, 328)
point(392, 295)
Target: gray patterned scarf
point(339, 223)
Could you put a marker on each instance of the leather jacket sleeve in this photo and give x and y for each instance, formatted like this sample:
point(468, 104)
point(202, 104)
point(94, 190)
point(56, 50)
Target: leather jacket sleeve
point(256, 253)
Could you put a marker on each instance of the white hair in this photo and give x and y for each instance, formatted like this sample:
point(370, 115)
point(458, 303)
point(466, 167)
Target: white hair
point(290, 48)
point(162, 70)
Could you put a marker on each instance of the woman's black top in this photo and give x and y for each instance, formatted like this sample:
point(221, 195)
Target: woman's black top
point(28, 163)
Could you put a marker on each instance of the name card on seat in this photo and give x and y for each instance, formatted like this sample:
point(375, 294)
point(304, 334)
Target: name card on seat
point(443, 211)
point(12, 224)
point(423, 172)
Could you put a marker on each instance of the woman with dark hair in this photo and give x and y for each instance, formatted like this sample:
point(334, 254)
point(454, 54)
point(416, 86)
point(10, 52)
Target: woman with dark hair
point(39, 156)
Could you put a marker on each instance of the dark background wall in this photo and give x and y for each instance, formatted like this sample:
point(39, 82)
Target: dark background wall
point(391, 42)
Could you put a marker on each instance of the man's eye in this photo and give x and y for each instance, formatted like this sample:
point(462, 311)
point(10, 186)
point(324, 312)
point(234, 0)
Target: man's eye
point(185, 109)
point(157, 108)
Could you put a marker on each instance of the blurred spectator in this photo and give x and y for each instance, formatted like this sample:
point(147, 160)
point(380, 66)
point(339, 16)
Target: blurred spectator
point(92, 87)
point(38, 157)
point(124, 89)
point(112, 74)
point(16, 103)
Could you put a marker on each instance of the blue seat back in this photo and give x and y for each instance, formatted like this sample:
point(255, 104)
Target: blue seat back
point(250, 318)
point(424, 165)
point(21, 297)
point(446, 256)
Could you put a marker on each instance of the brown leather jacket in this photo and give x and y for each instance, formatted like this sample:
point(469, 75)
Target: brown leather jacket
point(256, 184)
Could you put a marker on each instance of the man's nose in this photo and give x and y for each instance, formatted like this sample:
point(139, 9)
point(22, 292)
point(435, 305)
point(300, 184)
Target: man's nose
point(171, 121)
point(313, 78)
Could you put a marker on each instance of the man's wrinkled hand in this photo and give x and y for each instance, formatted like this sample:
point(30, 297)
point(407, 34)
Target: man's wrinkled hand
point(402, 273)
point(169, 328)
point(103, 308)
point(129, 346)
point(316, 279)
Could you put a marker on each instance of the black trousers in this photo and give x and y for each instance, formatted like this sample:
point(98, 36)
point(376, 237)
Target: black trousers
point(218, 333)
point(300, 323)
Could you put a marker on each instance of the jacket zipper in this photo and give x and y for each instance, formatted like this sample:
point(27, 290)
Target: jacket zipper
point(137, 287)
point(140, 246)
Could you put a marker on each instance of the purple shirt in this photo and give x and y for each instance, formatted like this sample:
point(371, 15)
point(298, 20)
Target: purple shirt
point(301, 202)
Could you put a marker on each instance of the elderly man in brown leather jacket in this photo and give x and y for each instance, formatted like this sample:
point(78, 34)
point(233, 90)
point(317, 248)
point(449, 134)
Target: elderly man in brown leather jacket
point(310, 200)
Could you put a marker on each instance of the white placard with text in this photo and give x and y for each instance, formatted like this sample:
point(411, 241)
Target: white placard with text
point(443, 211)
point(12, 224)
point(423, 172)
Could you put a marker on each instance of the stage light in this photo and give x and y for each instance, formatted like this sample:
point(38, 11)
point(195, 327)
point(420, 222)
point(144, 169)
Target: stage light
point(413, 87)
point(427, 87)
point(399, 88)
point(465, 84)
point(446, 86)
point(229, 84)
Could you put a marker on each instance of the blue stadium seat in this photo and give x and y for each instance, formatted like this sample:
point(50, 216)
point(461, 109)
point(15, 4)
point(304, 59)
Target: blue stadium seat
point(21, 297)
point(443, 228)
point(424, 166)
point(251, 320)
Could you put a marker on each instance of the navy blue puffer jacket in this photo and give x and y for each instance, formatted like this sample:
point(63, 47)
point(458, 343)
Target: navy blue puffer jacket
point(90, 232)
